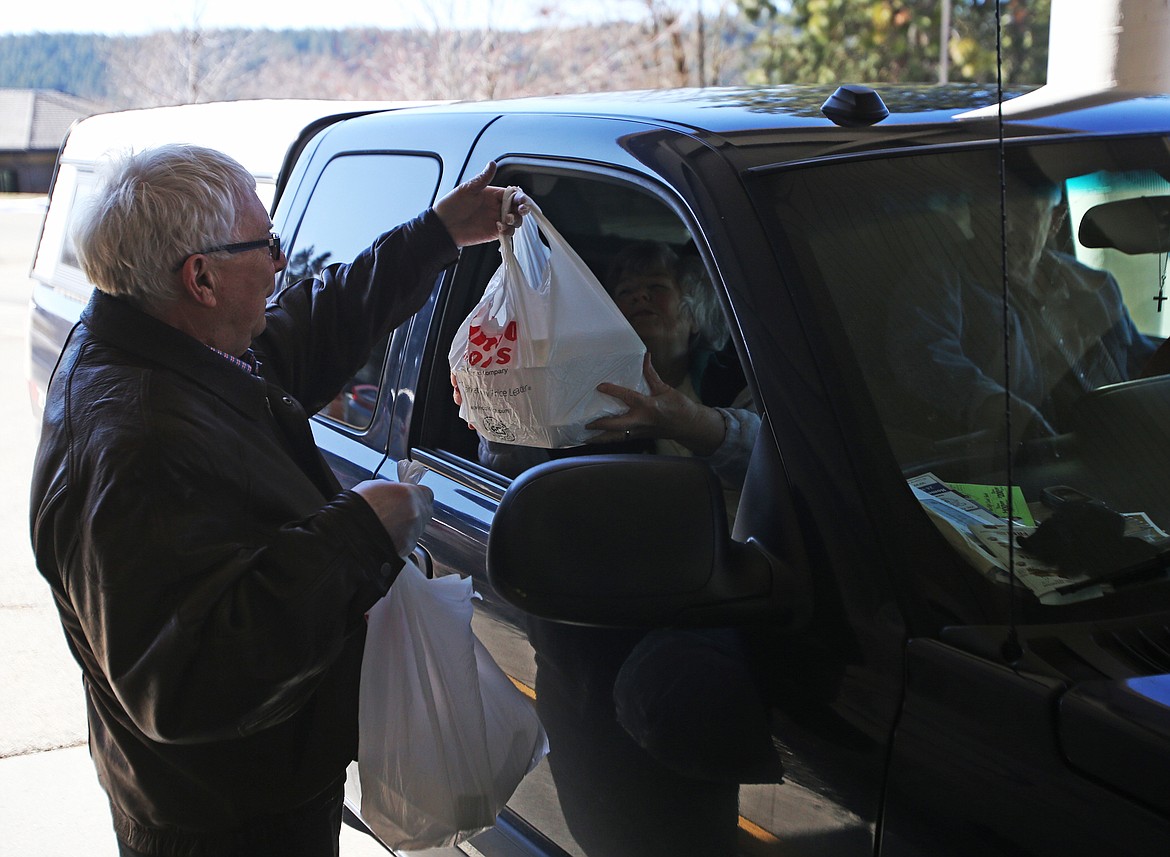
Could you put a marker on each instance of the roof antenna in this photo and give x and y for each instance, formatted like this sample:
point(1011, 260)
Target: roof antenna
point(1010, 649)
point(855, 106)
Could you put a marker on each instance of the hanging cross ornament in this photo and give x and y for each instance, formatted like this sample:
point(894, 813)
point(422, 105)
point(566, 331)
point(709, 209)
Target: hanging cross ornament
point(1161, 298)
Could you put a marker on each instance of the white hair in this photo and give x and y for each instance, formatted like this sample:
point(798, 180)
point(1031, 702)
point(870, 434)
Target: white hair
point(151, 210)
point(697, 296)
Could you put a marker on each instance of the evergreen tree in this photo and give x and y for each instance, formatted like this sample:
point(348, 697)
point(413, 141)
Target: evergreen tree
point(896, 41)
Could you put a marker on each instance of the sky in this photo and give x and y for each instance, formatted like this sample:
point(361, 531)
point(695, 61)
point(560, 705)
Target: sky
point(134, 17)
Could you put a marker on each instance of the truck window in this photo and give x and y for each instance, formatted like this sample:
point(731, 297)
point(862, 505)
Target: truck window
point(357, 198)
point(1010, 380)
point(636, 245)
point(81, 195)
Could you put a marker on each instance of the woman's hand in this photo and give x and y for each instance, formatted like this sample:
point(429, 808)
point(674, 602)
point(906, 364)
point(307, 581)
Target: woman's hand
point(457, 395)
point(664, 413)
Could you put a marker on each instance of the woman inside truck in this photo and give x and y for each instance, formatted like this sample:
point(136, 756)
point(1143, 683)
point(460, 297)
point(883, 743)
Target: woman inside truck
point(698, 402)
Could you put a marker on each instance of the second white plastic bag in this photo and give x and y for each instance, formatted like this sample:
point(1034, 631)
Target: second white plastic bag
point(529, 357)
point(444, 735)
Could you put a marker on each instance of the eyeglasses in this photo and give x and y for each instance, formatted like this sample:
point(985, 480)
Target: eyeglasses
point(272, 242)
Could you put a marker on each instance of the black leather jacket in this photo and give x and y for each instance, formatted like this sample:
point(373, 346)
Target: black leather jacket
point(210, 574)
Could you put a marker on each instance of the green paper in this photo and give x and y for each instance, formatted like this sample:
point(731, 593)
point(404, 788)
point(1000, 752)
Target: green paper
point(994, 498)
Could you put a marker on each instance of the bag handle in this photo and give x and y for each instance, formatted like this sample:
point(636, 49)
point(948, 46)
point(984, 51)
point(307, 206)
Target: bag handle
point(523, 249)
point(543, 224)
point(505, 205)
point(509, 194)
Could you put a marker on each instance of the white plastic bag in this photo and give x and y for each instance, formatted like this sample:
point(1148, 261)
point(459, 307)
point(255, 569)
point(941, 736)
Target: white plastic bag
point(530, 355)
point(444, 735)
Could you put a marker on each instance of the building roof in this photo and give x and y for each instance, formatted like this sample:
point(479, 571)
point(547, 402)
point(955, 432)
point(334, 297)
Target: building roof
point(38, 119)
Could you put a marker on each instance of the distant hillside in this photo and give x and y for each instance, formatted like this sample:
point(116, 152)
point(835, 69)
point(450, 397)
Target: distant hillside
point(84, 64)
point(189, 66)
point(669, 47)
point(69, 62)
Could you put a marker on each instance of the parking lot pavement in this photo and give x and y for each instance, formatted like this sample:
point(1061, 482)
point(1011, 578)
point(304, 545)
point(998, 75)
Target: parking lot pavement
point(50, 802)
point(53, 807)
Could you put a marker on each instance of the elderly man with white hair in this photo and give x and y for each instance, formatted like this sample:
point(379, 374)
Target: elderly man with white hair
point(211, 575)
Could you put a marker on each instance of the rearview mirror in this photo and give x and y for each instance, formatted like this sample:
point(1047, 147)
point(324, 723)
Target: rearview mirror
point(1133, 226)
point(629, 540)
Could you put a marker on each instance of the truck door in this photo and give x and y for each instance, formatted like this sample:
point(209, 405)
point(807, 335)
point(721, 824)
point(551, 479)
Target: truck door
point(636, 767)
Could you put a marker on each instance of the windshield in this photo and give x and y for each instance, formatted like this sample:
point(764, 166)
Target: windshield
point(1024, 375)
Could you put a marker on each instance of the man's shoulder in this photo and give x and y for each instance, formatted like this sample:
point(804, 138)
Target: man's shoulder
point(95, 388)
point(89, 366)
point(100, 387)
point(1076, 275)
point(1067, 262)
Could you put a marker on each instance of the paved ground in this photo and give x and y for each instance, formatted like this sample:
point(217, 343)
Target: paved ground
point(50, 802)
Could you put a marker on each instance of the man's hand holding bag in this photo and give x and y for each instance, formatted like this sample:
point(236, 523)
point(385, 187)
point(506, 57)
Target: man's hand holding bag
point(529, 357)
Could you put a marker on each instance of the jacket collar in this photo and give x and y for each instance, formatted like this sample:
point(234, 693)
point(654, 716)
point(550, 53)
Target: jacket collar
point(119, 323)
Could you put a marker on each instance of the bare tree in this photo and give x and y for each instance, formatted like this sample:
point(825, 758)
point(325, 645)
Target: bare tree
point(687, 45)
point(673, 44)
point(179, 67)
point(462, 62)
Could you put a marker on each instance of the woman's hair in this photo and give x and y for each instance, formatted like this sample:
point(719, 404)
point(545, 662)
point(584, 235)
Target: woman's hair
point(698, 297)
point(152, 210)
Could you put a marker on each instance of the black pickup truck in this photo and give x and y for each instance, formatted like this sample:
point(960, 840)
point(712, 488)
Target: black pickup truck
point(938, 619)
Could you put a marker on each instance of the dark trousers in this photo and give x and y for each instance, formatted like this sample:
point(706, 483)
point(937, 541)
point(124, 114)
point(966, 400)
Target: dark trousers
point(309, 832)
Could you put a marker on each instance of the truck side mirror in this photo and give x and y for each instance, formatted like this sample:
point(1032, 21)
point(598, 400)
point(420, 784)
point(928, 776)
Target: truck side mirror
point(633, 540)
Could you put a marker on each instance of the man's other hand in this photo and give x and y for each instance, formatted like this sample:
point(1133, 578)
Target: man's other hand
point(403, 509)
